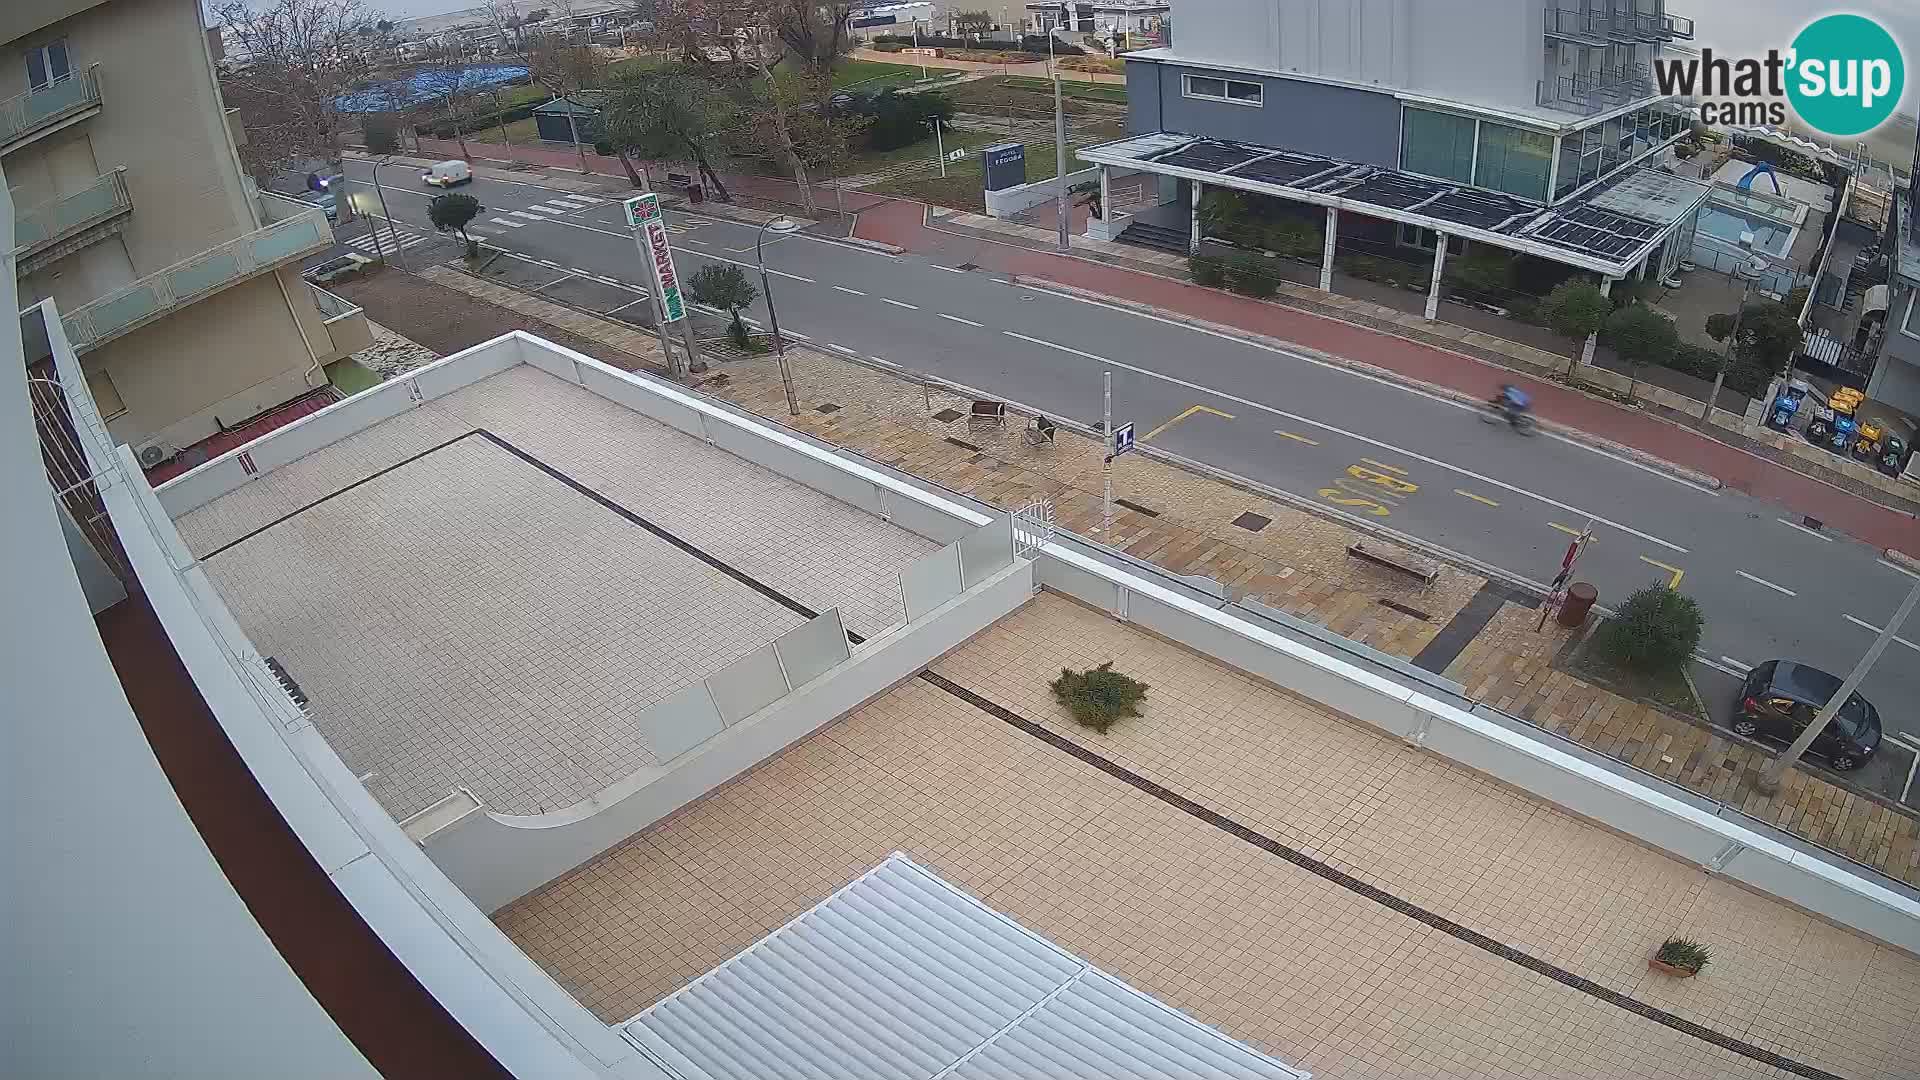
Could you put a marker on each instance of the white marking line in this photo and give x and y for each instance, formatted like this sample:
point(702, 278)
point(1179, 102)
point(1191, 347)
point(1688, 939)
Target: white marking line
point(702, 254)
point(1730, 661)
point(900, 303)
point(1436, 462)
point(1804, 529)
point(623, 307)
point(1765, 582)
point(750, 322)
point(1469, 406)
point(1897, 568)
point(958, 319)
point(608, 280)
point(842, 348)
point(550, 262)
point(547, 210)
point(507, 223)
point(527, 216)
point(581, 271)
point(555, 281)
point(844, 289)
point(701, 243)
point(1717, 665)
point(948, 269)
point(1869, 627)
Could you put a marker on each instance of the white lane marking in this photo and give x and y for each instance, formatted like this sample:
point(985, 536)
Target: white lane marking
point(1717, 665)
point(555, 281)
point(623, 307)
point(1802, 528)
point(1765, 582)
point(1867, 626)
point(795, 333)
point(844, 289)
point(842, 348)
point(958, 319)
point(550, 262)
point(525, 215)
point(582, 272)
point(578, 200)
point(1343, 369)
point(702, 254)
point(607, 280)
point(1897, 568)
point(842, 245)
point(1297, 418)
point(750, 322)
point(547, 210)
point(701, 243)
point(507, 223)
point(952, 269)
point(900, 303)
point(1730, 661)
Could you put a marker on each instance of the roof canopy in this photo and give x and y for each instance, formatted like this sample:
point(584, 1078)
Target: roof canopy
point(900, 975)
point(1609, 230)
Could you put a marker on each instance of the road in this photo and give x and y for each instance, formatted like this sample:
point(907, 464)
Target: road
point(1359, 445)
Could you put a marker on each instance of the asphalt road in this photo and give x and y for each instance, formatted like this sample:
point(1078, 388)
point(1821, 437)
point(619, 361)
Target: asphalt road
point(1359, 445)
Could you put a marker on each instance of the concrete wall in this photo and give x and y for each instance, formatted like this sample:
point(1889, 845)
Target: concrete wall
point(1009, 201)
point(497, 858)
point(1896, 376)
point(1338, 121)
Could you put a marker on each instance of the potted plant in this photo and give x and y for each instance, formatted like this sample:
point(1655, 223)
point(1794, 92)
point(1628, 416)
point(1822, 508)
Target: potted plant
point(1681, 958)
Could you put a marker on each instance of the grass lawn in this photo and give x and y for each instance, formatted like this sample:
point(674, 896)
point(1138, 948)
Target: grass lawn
point(872, 73)
point(350, 378)
point(1112, 93)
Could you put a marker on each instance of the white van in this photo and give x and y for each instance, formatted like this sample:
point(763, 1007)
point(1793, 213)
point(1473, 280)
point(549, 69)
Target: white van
point(447, 173)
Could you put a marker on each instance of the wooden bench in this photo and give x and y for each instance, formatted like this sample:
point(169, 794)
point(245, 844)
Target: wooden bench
point(679, 180)
point(995, 411)
point(1396, 562)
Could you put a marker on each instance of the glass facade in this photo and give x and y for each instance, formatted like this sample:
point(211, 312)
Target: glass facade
point(1514, 160)
point(1437, 144)
point(1593, 152)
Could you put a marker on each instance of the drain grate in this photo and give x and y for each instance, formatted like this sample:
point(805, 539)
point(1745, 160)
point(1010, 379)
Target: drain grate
point(1136, 507)
point(948, 416)
point(829, 407)
point(1252, 522)
point(964, 445)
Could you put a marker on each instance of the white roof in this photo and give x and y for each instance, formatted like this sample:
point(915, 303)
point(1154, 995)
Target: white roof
point(900, 975)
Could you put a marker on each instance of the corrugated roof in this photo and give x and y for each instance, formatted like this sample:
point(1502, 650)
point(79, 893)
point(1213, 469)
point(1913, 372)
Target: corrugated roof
point(900, 976)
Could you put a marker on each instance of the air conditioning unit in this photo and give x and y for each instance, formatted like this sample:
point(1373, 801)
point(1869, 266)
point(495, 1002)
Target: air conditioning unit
point(152, 455)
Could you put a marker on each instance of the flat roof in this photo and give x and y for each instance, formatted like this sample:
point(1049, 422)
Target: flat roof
point(1609, 230)
point(489, 590)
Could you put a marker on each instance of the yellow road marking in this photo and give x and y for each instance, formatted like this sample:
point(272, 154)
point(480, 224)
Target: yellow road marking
point(1563, 528)
point(1383, 465)
point(1475, 498)
point(1190, 411)
point(1297, 438)
point(1677, 573)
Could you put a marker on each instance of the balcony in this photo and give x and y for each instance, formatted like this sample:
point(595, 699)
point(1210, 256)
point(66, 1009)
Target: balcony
point(347, 329)
point(1598, 91)
point(1677, 28)
point(59, 227)
point(1580, 27)
point(296, 236)
point(28, 116)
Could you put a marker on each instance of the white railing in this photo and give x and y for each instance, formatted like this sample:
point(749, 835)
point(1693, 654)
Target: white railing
point(57, 219)
point(331, 307)
point(122, 310)
point(27, 113)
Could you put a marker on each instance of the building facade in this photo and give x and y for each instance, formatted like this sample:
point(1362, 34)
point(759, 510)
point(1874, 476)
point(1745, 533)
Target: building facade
point(1896, 374)
point(179, 282)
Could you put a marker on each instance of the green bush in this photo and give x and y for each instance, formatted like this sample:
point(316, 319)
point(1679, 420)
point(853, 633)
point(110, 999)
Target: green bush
point(1208, 270)
point(887, 46)
point(1684, 953)
point(1099, 696)
point(603, 148)
point(1249, 275)
point(1655, 631)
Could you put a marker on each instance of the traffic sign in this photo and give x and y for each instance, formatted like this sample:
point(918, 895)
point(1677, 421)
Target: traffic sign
point(1122, 439)
point(956, 155)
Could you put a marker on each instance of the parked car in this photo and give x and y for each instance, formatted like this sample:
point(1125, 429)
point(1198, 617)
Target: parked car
point(445, 174)
point(1780, 698)
point(333, 270)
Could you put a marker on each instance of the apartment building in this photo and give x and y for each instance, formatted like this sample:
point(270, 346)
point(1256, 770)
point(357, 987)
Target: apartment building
point(1896, 374)
point(179, 282)
point(1522, 125)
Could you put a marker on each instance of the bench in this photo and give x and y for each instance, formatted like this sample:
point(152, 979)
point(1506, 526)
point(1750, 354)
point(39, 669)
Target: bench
point(679, 179)
point(995, 411)
point(1396, 562)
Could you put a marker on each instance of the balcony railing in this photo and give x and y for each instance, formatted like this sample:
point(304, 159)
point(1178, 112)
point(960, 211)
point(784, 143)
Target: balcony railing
point(1604, 89)
point(331, 306)
point(1585, 27)
point(1678, 26)
point(39, 229)
point(37, 110)
point(128, 308)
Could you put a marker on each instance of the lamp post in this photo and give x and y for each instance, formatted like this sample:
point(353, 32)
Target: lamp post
point(779, 226)
point(1749, 272)
point(377, 190)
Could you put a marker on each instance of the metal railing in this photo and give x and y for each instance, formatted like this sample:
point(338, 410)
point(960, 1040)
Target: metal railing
point(118, 312)
point(24, 114)
point(1585, 26)
point(1677, 26)
point(57, 219)
point(331, 307)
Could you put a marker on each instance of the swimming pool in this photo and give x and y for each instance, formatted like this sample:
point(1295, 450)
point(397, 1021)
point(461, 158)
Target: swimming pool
point(1726, 223)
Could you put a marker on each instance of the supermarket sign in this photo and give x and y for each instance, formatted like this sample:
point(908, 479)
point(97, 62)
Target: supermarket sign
point(650, 227)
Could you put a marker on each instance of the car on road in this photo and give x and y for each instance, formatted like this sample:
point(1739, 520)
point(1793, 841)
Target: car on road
point(1780, 698)
point(445, 174)
point(325, 200)
point(333, 270)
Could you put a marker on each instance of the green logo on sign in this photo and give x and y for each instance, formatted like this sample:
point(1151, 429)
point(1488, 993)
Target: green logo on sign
point(1846, 75)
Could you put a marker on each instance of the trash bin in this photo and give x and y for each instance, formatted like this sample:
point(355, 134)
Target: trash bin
point(1579, 601)
point(696, 194)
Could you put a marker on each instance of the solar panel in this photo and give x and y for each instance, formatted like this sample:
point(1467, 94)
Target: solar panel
point(1210, 156)
point(1395, 192)
point(1475, 209)
point(1285, 169)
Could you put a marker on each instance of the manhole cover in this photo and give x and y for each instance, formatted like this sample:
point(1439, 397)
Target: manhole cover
point(829, 407)
point(1252, 522)
point(948, 416)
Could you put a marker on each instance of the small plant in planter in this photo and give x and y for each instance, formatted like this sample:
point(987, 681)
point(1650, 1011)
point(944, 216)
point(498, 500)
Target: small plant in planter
point(1681, 958)
point(1098, 696)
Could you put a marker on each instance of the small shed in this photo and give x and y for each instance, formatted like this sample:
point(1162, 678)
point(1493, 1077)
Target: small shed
point(551, 118)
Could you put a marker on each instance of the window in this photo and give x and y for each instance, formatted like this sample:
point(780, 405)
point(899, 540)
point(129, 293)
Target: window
point(47, 64)
point(1910, 325)
point(1514, 160)
point(1234, 90)
point(1569, 165)
point(1437, 144)
point(105, 395)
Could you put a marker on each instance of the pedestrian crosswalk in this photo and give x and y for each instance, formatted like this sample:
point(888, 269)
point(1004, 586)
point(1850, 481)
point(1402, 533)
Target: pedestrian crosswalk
point(568, 204)
point(365, 243)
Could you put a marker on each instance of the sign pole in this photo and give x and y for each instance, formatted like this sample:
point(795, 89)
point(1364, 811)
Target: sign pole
point(659, 317)
point(649, 227)
point(1106, 427)
point(939, 146)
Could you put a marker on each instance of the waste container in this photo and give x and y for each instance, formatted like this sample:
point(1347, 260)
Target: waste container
point(696, 194)
point(1579, 601)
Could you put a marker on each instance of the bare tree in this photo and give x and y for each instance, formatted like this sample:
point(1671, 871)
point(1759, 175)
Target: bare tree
point(560, 67)
point(817, 36)
point(445, 73)
point(294, 62)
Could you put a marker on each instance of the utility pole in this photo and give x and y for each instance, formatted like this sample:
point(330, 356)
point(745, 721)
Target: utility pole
point(1749, 273)
point(381, 192)
point(1060, 154)
point(1770, 776)
point(1106, 427)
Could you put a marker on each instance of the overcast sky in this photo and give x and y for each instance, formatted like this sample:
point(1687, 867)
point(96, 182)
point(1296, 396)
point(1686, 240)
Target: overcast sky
point(1754, 26)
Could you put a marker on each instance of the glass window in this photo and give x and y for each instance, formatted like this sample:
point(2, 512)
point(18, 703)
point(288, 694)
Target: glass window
point(1234, 90)
point(47, 64)
point(1515, 161)
point(1569, 165)
point(1437, 144)
point(1590, 155)
point(1911, 324)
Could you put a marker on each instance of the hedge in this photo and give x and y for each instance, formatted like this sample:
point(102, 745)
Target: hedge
point(474, 124)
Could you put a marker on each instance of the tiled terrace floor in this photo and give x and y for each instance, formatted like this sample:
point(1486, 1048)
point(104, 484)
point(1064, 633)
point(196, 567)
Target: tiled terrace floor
point(467, 618)
point(1298, 964)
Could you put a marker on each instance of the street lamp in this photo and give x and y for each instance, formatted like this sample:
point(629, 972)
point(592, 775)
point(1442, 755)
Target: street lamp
point(398, 257)
point(779, 226)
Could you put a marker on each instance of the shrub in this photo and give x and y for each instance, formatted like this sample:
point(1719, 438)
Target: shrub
point(738, 332)
point(1684, 953)
point(1249, 275)
point(1208, 270)
point(1655, 631)
point(887, 46)
point(1099, 696)
point(603, 148)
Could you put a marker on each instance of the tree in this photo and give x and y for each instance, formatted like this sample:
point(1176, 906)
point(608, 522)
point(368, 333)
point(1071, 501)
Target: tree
point(724, 286)
point(1769, 338)
point(561, 69)
point(293, 63)
point(1641, 335)
point(443, 73)
point(385, 26)
point(451, 212)
point(1575, 310)
point(1655, 631)
point(973, 22)
point(670, 114)
point(816, 35)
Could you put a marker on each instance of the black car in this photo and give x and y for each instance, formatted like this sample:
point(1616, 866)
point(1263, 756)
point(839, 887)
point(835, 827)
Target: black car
point(1780, 698)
